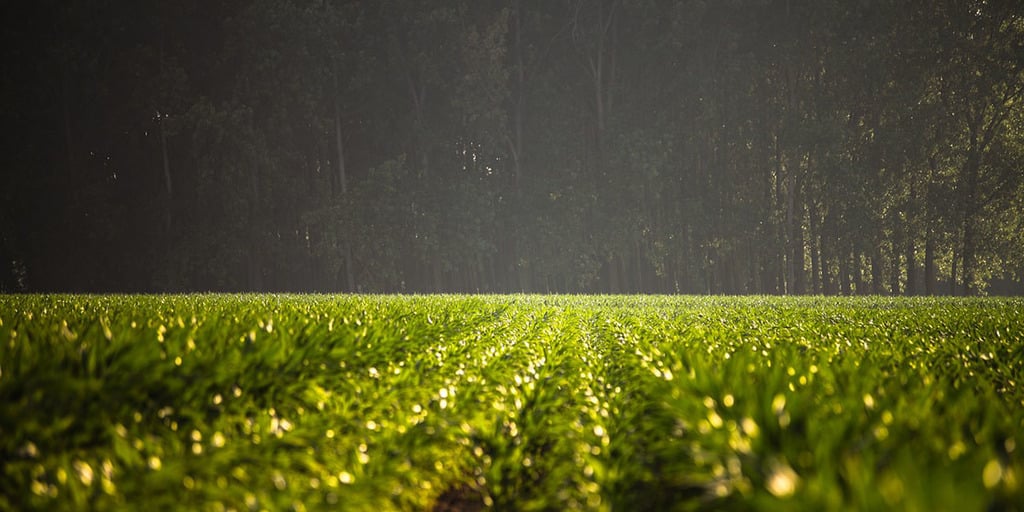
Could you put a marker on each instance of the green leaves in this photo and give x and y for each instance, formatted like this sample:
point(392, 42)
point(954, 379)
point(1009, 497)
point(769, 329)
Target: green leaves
point(511, 402)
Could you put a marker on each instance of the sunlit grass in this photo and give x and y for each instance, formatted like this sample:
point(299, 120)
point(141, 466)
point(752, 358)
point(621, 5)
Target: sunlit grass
point(515, 402)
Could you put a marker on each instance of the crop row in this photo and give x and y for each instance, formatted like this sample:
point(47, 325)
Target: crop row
point(275, 402)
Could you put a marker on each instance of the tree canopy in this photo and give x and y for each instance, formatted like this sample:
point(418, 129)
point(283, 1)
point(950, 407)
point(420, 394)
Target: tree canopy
point(582, 146)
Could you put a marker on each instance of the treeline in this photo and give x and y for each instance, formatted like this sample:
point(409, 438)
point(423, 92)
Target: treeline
point(728, 146)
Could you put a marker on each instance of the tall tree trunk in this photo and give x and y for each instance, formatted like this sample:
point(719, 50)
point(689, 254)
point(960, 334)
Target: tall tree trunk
point(436, 273)
point(522, 272)
point(910, 234)
point(481, 275)
point(350, 280)
point(797, 249)
point(342, 178)
point(930, 220)
point(911, 261)
point(255, 260)
point(968, 259)
point(418, 99)
point(169, 198)
point(929, 261)
point(844, 270)
point(613, 275)
point(161, 117)
point(877, 286)
point(638, 281)
point(516, 148)
point(858, 274)
point(789, 175)
point(895, 265)
point(982, 134)
point(624, 283)
point(968, 204)
point(603, 79)
point(828, 285)
point(494, 285)
point(953, 275)
point(815, 235)
point(828, 243)
point(516, 144)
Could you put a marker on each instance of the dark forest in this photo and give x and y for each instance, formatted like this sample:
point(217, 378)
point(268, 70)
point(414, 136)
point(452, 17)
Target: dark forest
point(571, 146)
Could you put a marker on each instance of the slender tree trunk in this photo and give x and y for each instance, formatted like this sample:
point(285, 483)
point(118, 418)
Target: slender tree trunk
point(895, 265)
point(603, 79)
point(844, 271)
point(613, 25)
point(968, 202)
point(312, 269)
point(494, 285)
point(910, 232)
point(856, 269)
point(342, 178)
point(797, 251)
point(828, 243)
point(161, 117)
point(968, 260)
point(624, 273)
point(929, 261)
point(350, 280)
point(789, 175)
point(828, 286)
point(815, 235)
point(929, 242)
point(436, 272)
point(481, 275)
point(638, 281)
point(911, 261)
point(613, 275)
point(516, 143)
point(597, 65)
point(169, 198)
point(255, 259)
point(780, 245)
point(521, 271)
point(418, 98)
point(790, 232)
point(877, 287)
point(953, 275)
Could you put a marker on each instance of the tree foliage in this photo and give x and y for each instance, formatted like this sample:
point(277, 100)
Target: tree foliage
point(746, 146)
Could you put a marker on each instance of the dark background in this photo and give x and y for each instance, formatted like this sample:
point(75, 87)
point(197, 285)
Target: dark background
point(733, 146)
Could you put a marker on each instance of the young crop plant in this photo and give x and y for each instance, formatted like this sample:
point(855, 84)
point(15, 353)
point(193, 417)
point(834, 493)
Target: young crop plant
point(520, 402)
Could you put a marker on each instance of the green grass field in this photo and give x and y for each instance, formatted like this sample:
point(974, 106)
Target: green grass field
point(277, 402)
